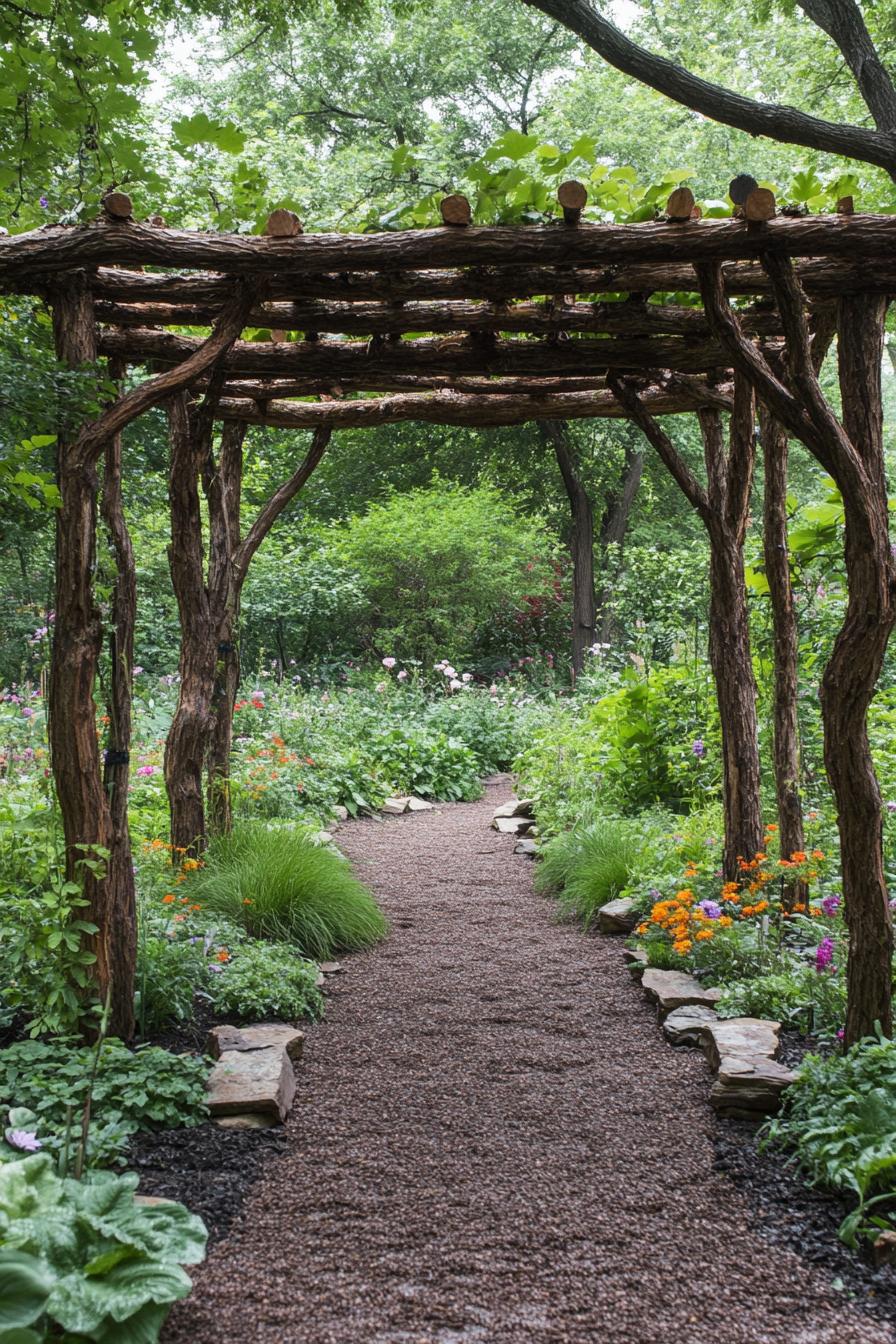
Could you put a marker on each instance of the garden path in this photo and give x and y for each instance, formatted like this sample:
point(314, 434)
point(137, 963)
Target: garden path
point(493, 1145)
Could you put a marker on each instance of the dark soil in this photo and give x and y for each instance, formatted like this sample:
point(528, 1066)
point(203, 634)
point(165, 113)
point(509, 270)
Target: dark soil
point(492, 1144)
point(208, 1168)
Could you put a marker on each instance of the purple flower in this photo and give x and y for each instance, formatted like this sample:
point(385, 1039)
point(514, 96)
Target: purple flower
point(146, 770)
point(711, 909)
point(698, 748)
point(44, 205)
point(830, 905)
point(27, 713)
point(824, 956)
point(891, 807)
point(23, 1140)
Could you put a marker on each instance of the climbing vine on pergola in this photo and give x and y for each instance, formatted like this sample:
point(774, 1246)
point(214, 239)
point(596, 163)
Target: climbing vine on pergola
point(556, 322)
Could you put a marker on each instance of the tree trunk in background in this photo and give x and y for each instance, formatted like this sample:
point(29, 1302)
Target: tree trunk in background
point(223, 487)
point(732, 664)
point(116, 771)
point(786, 644)
point(83, 803)
point(851, 675)
point(729, 482)
point(614, 525)
point(191, 727)
point(581, 546)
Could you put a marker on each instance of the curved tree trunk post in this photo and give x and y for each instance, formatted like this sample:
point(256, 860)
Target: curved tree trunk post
point(851, 675)
point(852, 453)
point(724, 508)
point(729, 481)
point(614, 525)
point(791, 835)
point(581, 545)
point(223, 486)
point(77, 635)
point(116, 771)
point(186, 745)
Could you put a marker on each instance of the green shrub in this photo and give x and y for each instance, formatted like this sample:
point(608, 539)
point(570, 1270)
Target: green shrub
point(279, 885)
point(80, 1258)
point(264, 980)
point(146, 1089)
point(839, 1118)
point(438, 567)
point(801, 997)
point(590, 865)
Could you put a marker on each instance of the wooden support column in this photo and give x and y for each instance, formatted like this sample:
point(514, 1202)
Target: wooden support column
point(77, 634)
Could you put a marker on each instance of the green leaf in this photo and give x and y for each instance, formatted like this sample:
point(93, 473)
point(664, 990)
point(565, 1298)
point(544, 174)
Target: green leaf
point(201, 130)
point(25, 1285)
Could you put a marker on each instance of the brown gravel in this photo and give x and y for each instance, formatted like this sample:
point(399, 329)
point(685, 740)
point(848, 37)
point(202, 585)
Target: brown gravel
point(493, 1145)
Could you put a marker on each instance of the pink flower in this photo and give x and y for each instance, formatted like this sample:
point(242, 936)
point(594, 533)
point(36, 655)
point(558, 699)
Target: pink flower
point(24, 1140)
point(389, 663)
point(146, 770)
point(455, 684)
point(403, 675)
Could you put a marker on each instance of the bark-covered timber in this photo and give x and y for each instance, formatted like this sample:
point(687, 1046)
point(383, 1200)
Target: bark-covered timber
point(821, 280)
point(785, 639)
point(192, 725)
point(269, 389)
point(57, 248)
point(116, 765)
point(581, 542)
point(371, 319)
point(477, 354)
point(852, 454)
point(84, 804)
point(223, 488)
point(447, 408)
point(851, 675)
point(723, 505)
point(77, 635)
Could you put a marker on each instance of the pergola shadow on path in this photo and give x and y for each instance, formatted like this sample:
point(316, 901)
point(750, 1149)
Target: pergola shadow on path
point(556, 322)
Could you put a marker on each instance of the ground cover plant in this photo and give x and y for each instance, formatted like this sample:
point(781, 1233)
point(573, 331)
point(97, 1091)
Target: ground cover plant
point(81, 1260)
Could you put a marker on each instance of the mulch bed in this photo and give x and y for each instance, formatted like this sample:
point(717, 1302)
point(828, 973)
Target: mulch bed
point(492, 1143)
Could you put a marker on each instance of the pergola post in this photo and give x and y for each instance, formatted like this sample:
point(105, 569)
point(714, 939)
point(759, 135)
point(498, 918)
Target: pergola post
point(97, 852)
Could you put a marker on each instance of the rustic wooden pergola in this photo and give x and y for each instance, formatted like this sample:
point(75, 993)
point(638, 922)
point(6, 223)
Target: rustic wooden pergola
point(461, 325)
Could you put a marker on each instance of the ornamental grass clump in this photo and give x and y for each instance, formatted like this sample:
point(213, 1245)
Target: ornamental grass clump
point(279, 884)
point(589, 866)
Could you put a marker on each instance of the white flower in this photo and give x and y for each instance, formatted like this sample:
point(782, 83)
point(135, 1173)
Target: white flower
point(389, 663)
point(449, 670)
point(467, 676)
point(493, 690)
point(456, 685)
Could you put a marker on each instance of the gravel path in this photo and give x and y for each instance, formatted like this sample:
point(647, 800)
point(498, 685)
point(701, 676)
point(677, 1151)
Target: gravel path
point(493, 1145)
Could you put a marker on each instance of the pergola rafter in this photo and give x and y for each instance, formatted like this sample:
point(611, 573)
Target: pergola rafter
point(464, 325)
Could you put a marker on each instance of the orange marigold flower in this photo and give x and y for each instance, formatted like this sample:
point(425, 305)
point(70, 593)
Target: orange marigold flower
point(798, 856)
point(642, 928)
point(166, 900)
point(190, 865)
point(817, 854)
point(682, 947)
point(815, 910)
point(725, 921)
point(771, 828)
point(247, 900)
point(223, 954)
point(704, 935)
point(760, 907)
point(799, 909)
point(195, 907)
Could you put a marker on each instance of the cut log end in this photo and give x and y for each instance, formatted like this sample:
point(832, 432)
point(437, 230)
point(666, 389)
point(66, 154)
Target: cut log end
point(740, 187)
point(846, 206)
point(759, 205)
point(681, 205)
point(117, 205)
point(283, 224)
point(456, 211)
point(573, 197)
